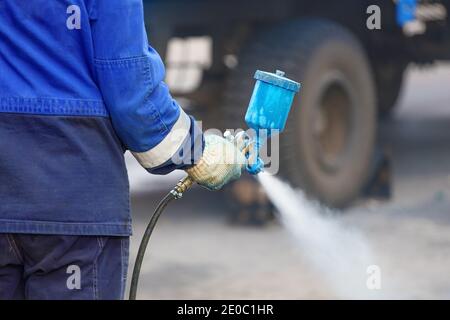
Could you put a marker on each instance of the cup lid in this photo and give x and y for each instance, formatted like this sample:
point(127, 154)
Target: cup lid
point(278, 79)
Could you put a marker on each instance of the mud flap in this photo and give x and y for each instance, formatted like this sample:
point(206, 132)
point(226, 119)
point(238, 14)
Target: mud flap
point(379, 184)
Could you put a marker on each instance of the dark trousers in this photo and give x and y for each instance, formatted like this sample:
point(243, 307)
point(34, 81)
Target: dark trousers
point(62, 267)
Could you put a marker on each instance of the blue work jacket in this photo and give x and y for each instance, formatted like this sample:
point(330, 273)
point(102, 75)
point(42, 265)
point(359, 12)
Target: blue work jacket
point(79, 85)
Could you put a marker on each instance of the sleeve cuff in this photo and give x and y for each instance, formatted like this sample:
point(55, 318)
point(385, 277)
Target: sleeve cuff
point(180, 149)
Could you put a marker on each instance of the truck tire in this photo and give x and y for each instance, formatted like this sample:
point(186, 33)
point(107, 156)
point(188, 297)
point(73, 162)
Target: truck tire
point(328, 143)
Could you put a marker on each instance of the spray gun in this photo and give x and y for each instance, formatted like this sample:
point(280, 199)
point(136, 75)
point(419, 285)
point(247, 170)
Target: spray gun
point(266, 115)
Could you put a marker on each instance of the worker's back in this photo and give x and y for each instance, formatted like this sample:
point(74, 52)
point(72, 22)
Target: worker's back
point(79, 85)
point(61, 163)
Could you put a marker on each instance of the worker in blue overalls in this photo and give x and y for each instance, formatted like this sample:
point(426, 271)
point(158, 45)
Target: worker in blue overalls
point(79, 85)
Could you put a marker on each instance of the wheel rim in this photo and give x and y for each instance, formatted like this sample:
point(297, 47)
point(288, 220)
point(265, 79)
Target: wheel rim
point(332, 122)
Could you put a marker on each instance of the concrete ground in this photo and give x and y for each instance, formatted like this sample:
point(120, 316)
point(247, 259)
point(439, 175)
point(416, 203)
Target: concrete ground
point(196, 254)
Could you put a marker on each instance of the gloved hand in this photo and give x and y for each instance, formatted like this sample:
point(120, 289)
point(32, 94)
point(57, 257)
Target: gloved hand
point(222, 161)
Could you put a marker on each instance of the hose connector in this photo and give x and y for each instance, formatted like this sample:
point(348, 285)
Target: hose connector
point(181, 187)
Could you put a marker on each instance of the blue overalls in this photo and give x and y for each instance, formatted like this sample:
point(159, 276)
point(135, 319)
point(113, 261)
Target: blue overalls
point(79, 85)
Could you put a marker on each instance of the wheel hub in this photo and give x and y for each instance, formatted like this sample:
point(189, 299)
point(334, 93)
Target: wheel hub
point(332, 123)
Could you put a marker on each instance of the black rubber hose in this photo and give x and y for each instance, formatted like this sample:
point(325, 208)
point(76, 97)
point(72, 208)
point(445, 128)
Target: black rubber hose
point(143, 246)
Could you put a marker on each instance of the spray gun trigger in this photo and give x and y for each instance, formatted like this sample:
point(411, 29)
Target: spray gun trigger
point(242, 141)
point(249, 148)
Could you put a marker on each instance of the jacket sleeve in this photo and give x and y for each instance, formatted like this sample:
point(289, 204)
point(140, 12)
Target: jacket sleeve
point(130, 75)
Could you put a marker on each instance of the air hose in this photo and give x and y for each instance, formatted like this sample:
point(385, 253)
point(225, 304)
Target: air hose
point(175, 194)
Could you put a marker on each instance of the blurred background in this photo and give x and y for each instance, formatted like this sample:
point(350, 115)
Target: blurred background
point(368, 137)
